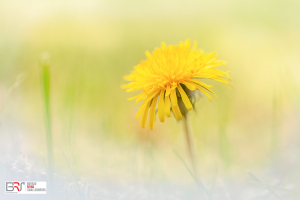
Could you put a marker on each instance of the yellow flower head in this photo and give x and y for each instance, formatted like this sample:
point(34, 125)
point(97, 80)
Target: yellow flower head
point(169, 74)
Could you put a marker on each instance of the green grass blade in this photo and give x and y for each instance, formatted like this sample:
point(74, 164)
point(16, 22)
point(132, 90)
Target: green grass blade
point(80, 194)
point(196, 179)
point(274, 187)
point(46, 89)
point(269, 188)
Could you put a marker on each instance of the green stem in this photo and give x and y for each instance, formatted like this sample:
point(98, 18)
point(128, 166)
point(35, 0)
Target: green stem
point(190, 149)
point(49, 142)
point(189, 144)
point(46, 82)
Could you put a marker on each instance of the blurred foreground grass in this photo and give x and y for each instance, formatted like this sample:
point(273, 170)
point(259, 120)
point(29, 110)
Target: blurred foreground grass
point(94, 44)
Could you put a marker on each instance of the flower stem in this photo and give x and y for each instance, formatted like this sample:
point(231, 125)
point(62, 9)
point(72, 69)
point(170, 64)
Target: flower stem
point(191, 150)
point(189, 144)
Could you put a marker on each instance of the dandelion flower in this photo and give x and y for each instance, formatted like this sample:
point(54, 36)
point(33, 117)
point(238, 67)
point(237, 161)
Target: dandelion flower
point(168, 75)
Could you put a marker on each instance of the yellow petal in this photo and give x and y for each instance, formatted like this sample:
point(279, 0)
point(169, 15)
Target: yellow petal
point(140, 110)
point(141, 94)
point(127, 85)
point(173, 98)
point(148, 54)
point(203, 85)
point(168, 91)
point(189, 86)
point(185, 98)
point(128, 77)
point(144, 115)
point(220, 80)
point(187, 43)
point(211, 92)
point(141, 97)
point(167, 105)
point(202, 90)
point(148, 99)
point(129, 90)
point(152, 113)
point(209, 56)
point(150, 96)
point(177, 112)
point(163, 46)
point(161, 106)
point(174, 104)
point(194, 46)
point(221, 62)
point(200, 83)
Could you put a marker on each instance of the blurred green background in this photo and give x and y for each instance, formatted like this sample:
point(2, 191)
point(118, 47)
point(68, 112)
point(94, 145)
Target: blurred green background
point(93, 44)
